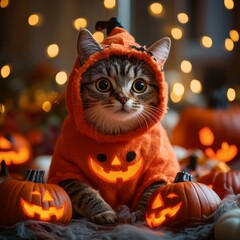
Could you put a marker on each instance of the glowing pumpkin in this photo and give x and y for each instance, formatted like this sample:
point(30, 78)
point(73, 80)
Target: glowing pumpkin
point(215, 131)
point(114, 171)
point(33, 200)
point(181, 203)
point(222, 182)
point(226, 153)
point(228, 226)
point(14, 149)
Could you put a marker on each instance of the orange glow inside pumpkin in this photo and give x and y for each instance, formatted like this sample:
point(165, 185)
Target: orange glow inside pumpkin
point(206, 136)
point(31, 210)
point(113, 175)
point(5, 144)
point(11, 154)
point(226, 153)
point(160, 213)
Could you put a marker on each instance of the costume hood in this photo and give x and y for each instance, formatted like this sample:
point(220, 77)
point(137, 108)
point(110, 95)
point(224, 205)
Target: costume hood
point(117, 42)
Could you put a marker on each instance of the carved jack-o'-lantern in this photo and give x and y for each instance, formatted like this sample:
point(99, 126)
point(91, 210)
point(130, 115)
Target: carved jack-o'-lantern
point(180, 203)
point(14, 149)
point(33, 200)
point(225, 153)
point(113, 170)
point(215, 129)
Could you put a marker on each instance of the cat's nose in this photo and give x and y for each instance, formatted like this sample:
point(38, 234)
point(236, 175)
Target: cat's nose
point(122, 100)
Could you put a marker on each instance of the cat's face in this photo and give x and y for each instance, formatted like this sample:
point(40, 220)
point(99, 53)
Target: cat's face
point(119, 94)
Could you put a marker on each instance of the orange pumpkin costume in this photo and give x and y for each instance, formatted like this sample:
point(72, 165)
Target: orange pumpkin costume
point(120, 166)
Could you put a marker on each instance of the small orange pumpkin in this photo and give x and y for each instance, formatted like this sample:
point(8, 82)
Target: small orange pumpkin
point(32, 199)
point(181, 203)
point(222, 182)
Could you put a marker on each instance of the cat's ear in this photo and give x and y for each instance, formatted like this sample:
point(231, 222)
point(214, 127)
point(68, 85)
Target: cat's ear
point(86, 45)
point(160, 49)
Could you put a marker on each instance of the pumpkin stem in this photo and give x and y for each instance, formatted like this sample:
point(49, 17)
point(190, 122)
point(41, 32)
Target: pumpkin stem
point(34, 176)
point(183, 177)
point(4, 169)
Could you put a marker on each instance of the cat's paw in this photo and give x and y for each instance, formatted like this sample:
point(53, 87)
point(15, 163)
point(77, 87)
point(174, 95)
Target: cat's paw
point(108, 217)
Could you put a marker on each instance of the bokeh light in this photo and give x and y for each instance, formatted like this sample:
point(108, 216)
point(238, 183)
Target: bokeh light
point(176, 33)
point(156, 8)
point(186, 66)
point(182, 18)
point(178, 89)
point(5, 71)
point(229, 44)
point(206, 42)
point(98, 36)
point(231, 94)
point(80, 23)
point(234, 35)
point(47, 106)
point(61, 78)
point(4, 3)
point(195, 86)
point(52, 50)
point(34, 20)
point(2, 108)
point(109, 3)
point(229, 4)
point(175, 98)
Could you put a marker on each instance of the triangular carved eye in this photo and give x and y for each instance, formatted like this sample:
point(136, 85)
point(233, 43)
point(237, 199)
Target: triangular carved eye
point(36, 193)
point(158, 202)
point(47, 197)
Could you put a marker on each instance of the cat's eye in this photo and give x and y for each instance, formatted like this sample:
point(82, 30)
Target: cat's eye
point(103, 85)
point(139, 86)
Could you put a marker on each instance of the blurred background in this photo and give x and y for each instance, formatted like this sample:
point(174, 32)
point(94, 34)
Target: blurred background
point(38, 49)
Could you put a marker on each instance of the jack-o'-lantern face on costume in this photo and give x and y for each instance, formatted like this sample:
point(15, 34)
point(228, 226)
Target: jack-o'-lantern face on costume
point(116, 169)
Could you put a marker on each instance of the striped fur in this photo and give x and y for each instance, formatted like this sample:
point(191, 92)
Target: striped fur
point(87, 202)
point(105, 110)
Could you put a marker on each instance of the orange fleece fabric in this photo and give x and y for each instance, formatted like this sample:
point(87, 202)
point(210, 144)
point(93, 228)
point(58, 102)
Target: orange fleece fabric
point(120, 166)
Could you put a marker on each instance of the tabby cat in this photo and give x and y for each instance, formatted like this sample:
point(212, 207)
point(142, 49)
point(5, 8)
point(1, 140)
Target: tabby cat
point(119, 95)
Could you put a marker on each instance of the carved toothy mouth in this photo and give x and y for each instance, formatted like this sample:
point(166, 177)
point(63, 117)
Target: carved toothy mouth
point(154, 221)
point(113, 176)
point(44, 214)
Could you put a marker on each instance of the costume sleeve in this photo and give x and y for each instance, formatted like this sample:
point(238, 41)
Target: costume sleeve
point(62, 167)
point(163, 167)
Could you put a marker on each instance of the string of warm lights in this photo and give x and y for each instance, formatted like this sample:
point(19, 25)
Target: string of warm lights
point(178, 89)
point(156, 9)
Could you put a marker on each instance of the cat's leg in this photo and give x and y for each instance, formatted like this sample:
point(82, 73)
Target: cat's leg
point(141, 207)
point(87, 202)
